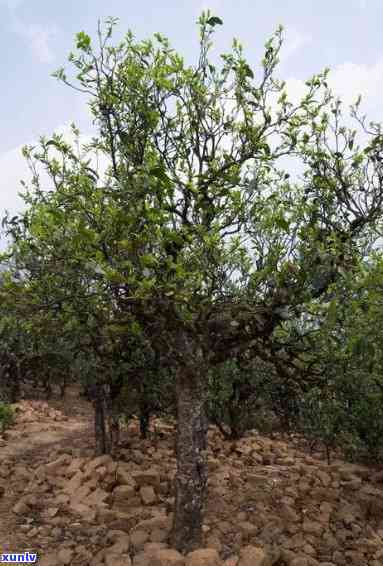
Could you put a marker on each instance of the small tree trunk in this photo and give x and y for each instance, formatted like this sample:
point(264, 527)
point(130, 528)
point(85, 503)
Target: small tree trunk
point(235, 416)
point(47, 385)
point(101, 439)
point(144, 420)
point(114, 430)
point(191, 478)
point(63, 386)
point(328, 454)
point(87, 392)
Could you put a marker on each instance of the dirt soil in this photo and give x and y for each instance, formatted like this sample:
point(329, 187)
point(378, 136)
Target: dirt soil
point(41, 429)
point(269, 503)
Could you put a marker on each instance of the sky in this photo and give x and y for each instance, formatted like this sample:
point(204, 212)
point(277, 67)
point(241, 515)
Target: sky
point(36, 37)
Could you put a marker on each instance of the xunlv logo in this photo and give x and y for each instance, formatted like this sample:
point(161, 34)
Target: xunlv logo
point(18, 557)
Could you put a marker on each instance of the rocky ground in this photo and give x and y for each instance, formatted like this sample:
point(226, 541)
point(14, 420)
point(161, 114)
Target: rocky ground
point(269, 502)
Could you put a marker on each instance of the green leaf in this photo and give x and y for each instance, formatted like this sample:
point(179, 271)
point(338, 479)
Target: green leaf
point(332, 312)
point(214, 21)
point(148, 260)
point(83, 41)
point(282, 223)
point(160, 174)
point(125, 138)
point(248, 71)
point(359, 346)
point(266, 148)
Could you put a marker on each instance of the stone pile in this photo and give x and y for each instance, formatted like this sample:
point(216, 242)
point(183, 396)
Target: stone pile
point(27, 411)
point(269, 504)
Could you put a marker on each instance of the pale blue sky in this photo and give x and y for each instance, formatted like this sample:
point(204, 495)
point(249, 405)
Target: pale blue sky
point(36, 36)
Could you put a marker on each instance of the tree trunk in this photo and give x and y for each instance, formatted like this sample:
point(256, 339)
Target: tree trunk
point(144, 419)
point(114, 430)
point(101, 439)
point(191, 478)
point(63, 385)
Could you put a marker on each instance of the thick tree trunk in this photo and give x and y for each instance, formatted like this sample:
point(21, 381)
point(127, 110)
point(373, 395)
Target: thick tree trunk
point(191, 478)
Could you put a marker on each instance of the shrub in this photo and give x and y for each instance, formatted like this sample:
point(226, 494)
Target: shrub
point(239, 397)
point(6, 416)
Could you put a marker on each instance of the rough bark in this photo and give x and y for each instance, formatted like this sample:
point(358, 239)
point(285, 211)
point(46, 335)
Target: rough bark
point(191, 477)
point(114, 431)
point(63, 385)
point(113, 409)
point(102, 444)
point(144, 417)
point(144, 426)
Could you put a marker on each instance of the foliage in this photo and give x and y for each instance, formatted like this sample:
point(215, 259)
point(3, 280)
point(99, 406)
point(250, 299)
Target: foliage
point(239, 400)
point(345, 409)
point(6, 416)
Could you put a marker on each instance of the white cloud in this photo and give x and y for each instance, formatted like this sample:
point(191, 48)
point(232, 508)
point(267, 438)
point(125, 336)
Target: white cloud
point(13, 169)
point(38, 39)
point(294, 41)
point(348, 81)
